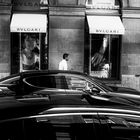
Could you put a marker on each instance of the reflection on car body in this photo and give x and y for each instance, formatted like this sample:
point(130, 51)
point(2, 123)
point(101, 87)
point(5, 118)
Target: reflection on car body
point(64, 105)
point(55, 81)
point(74, 123)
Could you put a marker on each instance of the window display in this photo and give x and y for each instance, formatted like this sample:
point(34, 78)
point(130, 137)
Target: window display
point(99, 60)
point(104, 56)
point(30, 52)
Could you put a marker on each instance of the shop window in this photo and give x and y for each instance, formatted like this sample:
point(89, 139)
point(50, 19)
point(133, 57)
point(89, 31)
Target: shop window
point(105, 56)
point(29, 52)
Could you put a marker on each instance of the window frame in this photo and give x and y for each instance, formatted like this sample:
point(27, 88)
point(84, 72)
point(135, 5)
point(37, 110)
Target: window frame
point(44, 76)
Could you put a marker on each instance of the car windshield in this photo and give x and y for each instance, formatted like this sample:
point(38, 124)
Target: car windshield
point(101, 84)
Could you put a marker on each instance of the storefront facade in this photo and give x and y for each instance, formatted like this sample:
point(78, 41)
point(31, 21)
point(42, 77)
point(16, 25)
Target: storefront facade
point(104, 31)
point(130, 54)
point(66, 33)
point(76, 27)
point(29, 35)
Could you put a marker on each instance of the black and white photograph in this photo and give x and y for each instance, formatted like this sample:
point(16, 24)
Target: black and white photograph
point(30, 52)
point(69, 69)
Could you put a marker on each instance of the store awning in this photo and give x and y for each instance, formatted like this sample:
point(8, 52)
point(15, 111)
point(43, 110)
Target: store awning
point(105, 25)
point(29, 23)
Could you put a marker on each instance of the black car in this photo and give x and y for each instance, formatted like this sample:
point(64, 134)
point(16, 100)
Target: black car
point(7, 103)
point(43, 121)
point(41, 116)
point(55, 81)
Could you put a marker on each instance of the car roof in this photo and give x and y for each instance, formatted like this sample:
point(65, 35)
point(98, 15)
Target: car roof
point(64, 110)
point(100, 109)
point(33, 72)
point(41, 72)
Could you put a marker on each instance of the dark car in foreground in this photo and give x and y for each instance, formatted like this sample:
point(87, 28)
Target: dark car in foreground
point(55, 81)
point(42, 121)
point(72, 116)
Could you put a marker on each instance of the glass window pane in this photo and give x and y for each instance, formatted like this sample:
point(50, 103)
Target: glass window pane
point(105, 58)
point(30, 52)
point(76, 83)
point(47, 81)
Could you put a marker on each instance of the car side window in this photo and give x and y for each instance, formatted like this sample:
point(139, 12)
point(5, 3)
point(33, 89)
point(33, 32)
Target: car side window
point(47, 81)
point(123, 127)
point(76, 83)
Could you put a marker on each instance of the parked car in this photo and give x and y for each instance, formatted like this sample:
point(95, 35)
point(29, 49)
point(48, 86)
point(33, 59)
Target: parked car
point(69, 122)
point(55, 81)
point(47, 99)
point(20, 106)
point(78, 115)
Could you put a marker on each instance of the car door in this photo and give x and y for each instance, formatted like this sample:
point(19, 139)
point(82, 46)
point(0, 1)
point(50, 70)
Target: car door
point(53, 126)
point(121, 126)
point(70, 125)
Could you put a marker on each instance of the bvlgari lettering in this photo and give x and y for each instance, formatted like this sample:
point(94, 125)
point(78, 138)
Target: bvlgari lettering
point(28, 29)
point(107, 31)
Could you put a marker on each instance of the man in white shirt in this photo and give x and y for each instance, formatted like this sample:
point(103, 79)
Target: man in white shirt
point(63, 63)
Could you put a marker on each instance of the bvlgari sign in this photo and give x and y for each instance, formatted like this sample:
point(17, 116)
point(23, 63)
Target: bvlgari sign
point(33, 23)
point(105, 25)
point(29, 4)
point(28, 29)
point(107, 31)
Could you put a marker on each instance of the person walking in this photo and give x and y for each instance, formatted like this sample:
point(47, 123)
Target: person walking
point(63, 63)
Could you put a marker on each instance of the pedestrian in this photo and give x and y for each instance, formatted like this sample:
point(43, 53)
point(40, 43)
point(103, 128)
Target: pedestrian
point(63, 63)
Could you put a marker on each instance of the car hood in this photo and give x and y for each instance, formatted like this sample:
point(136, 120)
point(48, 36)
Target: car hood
point(133, 97)
point(125, 92)
point(124, 89)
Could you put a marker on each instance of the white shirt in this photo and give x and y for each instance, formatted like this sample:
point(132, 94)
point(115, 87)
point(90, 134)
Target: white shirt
point(63, 65)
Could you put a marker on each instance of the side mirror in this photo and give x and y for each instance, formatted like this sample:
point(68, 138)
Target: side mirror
point(95, 90)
